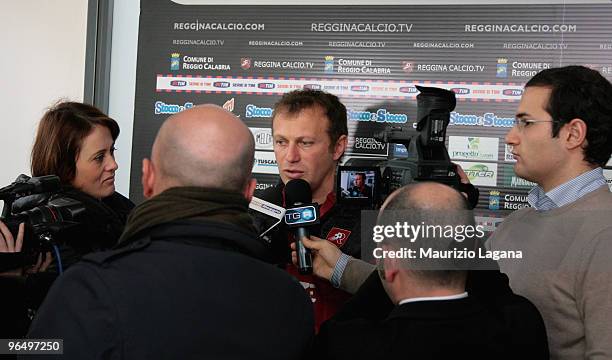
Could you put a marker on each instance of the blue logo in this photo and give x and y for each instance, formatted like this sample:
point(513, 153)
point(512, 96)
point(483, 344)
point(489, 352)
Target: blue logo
point(253, 111)
point(400, 151)
point(175, 61)
point(488, 120)
point(329, 65)
point(301, 215)
point(381, 116)
point(494, 200)
point(163, 108)
point(502, 68)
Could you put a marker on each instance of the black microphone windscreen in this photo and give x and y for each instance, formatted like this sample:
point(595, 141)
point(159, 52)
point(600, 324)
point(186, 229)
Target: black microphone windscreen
point(297, 191)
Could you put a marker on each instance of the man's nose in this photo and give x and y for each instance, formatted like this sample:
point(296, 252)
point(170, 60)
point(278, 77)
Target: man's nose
point(512, 137)
point(293, 153)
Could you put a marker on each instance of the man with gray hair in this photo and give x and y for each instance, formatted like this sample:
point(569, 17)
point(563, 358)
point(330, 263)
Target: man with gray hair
point(189, 280)
point(418, 306)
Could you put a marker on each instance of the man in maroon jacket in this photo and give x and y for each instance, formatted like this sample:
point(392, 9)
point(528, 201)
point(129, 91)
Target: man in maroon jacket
point(310, 134)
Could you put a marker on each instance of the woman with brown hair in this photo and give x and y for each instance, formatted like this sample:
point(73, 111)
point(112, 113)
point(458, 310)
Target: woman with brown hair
point(75, 141)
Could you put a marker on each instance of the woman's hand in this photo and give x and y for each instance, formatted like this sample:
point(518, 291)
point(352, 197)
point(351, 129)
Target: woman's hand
point(8, 244)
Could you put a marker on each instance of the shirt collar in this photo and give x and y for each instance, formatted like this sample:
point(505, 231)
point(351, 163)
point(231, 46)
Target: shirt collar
point(434, 298)
point(330, 201)
point(567, 192)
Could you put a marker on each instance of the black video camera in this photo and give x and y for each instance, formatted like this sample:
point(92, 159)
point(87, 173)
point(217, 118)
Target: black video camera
point(34, 202)
point(424, 156)
point(427, 157)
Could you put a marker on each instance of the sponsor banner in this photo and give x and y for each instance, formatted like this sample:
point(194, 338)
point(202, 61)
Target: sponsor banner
point(353, 66)
point(499, 200)
point(410, 67)
point(520, 28)
point(523, 69)
point(367, 146)
point(608, 175)
point(442, 45)
point(509, 179)
point(380, 116)
point(508, 153)
point(346, 87)
point(254, 111)
point(247, 63)
point(535, 46)
point(163, 108)
point(473, 148)
point(487, 120)
point(274, 43)
point(345, 27)
point(263, 138)
point(188, 62)
point(357, 44)
point(265, 163)
point(372, 58)
point(480, 174)
point(198, 42)
point(217, 26)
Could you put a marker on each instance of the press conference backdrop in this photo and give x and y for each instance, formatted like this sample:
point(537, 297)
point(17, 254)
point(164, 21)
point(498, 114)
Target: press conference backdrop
point(245, 57)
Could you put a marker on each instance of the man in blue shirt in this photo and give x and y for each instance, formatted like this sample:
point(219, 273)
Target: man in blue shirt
point(561, 139)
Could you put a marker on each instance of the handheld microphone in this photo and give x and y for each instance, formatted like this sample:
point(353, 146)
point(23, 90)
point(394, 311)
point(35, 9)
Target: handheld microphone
point(301, 213)
point(269, 210)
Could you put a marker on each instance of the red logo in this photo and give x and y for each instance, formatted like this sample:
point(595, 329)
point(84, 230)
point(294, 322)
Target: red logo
point(338, 236)
point(407, 66)
point(245, 63)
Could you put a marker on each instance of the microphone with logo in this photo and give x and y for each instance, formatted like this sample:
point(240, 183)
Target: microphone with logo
point(301, 213)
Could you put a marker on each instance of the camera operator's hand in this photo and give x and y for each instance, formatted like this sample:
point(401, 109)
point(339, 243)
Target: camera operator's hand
point(466, 188)
point(462, 175)
point(42, 263)
point(8, 244)
point(324, 253)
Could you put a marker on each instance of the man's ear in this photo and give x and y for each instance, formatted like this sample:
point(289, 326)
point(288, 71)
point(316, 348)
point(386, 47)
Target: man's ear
point(340, 147)
point(249, 189)
point(148, 178)
point(391, 269)
point(575, 133)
